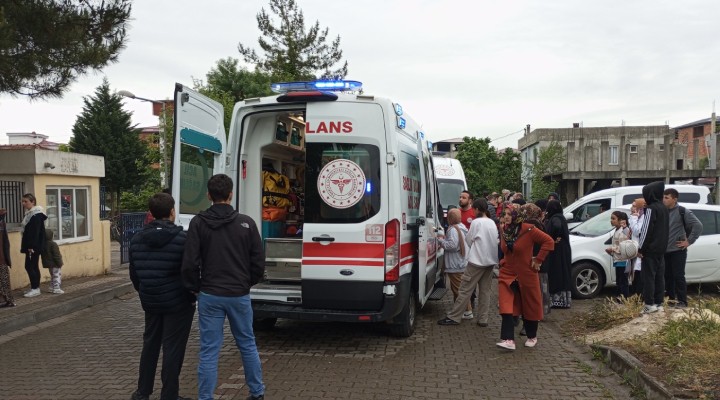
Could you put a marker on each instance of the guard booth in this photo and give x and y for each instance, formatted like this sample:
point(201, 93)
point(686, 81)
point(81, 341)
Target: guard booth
point(67, 186)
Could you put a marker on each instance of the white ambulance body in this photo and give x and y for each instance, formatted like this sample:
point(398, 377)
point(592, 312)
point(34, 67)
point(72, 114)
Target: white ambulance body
point(358, 243)
point(450, 181)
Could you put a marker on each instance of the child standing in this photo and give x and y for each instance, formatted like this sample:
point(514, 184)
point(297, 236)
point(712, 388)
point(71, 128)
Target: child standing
point(52, 260)
point(619, 220)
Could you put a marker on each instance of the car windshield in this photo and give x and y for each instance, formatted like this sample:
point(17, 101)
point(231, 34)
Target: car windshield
point(597, 225)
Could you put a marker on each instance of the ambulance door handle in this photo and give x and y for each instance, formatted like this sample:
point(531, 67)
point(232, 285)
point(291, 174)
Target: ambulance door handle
point(323, 238)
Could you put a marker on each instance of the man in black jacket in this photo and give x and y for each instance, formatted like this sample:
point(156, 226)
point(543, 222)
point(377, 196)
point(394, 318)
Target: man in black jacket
point(223, 259)
point(653, 243)
point(155, 260)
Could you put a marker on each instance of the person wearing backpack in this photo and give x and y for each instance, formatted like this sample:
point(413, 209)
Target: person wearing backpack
point(685, 228)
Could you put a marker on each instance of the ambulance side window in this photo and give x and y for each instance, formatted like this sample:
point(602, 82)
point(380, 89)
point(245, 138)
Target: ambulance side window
point(342, 182)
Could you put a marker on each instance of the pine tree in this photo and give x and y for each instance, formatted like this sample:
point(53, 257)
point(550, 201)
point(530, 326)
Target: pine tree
point(46, 44)
point(104, 129)
point(291, 53)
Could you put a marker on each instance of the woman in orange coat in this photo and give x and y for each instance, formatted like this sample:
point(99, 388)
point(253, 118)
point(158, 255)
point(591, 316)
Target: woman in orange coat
point(518, 283)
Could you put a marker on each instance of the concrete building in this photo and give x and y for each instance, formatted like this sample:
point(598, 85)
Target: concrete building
point(603, 157)
point(447, 148)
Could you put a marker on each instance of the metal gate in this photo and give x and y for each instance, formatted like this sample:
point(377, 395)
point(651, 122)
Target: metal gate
point(129, 224)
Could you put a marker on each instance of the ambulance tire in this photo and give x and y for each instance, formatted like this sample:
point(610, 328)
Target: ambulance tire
point(264, 324)
point(404, 324)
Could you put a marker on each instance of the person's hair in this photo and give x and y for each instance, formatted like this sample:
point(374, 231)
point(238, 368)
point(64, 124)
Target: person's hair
point(640, 202)
point(454, 216)
point(160, 205)
point(470, 195)
point(481, 205)
point(542, 203)
point(620, 215)
point(219, 187)
point(672, 193)
point(519, 201)
point(30, 197)
point(553, 207)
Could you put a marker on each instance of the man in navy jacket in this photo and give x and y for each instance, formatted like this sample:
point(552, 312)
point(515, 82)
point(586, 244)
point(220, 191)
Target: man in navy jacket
point(653, 243)
point(155, 260)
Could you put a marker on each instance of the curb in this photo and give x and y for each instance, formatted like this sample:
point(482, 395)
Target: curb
point(631, 369)
point(43, 314)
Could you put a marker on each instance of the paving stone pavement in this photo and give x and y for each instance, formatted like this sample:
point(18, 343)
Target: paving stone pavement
point(93, 354)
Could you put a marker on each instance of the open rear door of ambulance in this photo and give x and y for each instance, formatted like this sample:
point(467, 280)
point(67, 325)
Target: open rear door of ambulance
point(344, 231)
point(198, 151)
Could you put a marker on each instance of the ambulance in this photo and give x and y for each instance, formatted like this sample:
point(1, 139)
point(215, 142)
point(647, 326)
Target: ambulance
point(450, 181)
point(343, 188)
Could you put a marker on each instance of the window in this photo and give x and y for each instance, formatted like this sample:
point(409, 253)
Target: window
point(590, 209)
point(613, 155)
point(10, 198)
point(629, 198)
point(633, 149)
point(709, 221)
point(698, 131)
point(68, 212)
point(317, 208)
point(661, 147)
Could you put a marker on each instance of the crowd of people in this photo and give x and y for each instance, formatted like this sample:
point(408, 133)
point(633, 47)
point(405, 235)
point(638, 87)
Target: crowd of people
point(529, 245)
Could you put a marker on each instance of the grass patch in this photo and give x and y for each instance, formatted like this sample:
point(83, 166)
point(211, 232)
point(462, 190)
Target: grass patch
point(608, 313)
point(686, 351)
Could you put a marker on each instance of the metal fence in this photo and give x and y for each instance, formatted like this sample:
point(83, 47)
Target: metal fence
point(11, 193)
point(130, 223)
point(104, 210)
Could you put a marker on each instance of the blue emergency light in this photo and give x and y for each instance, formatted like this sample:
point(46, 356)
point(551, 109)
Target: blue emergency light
point(325, 85)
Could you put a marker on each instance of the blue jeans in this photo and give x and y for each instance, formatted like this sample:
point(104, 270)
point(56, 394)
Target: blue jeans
point(211, 318)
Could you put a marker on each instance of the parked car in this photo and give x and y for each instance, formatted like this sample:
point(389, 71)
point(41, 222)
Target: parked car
point(67, 220)
point(592, 268)
point(594, 203)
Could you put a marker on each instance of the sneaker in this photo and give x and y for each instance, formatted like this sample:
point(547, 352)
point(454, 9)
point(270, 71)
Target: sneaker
point(58, 291)
point(50, 289)
point(184, 398)
point(649, 309)
point(260, 397)
point(468, 315)
point(448, 321)
point(7, 304)
point(506, 344)
point(659, 307)
point(32, 293)
point(680, 305)
point(531, 342)
point(138, 396)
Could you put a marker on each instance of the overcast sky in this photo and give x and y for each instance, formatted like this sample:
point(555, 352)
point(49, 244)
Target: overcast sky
point(461, 68)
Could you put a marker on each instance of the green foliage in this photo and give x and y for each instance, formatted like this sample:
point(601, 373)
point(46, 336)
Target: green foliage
point(104, 129)
point(290, 52)
point(486, 170)
point(551, 160)
point(138, 200)
point(46, 44)
point(237, 81)
point(704, 162)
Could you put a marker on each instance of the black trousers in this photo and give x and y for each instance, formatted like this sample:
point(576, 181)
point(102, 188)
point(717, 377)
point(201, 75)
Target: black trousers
point(675, 284)
point(171, 331)
point(653, 277)
point(33, 269)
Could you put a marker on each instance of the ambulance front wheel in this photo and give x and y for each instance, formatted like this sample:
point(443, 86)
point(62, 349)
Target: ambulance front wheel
point(264, 324)
point(404, 323)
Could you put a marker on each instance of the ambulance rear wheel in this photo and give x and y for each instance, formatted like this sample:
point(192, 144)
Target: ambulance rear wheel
point(404, 324)
point(264, 324)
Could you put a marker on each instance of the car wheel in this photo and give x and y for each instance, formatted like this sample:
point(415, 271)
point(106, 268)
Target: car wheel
point(587, 280)
point(404, 324)
point(264, 324)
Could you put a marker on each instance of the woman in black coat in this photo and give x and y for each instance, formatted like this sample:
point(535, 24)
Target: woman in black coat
point(558, 263)
point(33, 241)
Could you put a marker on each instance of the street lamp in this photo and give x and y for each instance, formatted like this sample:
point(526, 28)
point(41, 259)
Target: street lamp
point(164, 172)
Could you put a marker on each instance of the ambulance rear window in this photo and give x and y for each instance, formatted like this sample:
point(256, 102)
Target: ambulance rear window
point(342, 182)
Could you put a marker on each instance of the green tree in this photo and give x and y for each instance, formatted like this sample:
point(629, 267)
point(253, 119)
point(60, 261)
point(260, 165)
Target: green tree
point(486, 170)
point(46, 44)
point(551, 161)
point(290, 52)
point(237, 81)
point(103, 128)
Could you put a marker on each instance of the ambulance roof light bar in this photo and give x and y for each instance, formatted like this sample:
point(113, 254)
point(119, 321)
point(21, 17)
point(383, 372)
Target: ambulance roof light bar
point(324, 85)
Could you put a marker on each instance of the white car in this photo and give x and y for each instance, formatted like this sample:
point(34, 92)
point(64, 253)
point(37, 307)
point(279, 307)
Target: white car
point(592, 267)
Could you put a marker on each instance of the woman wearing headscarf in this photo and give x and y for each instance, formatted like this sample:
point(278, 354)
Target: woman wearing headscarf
point(558, 264)
point(519, 269)
point(33, 241)
point(535, 214)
